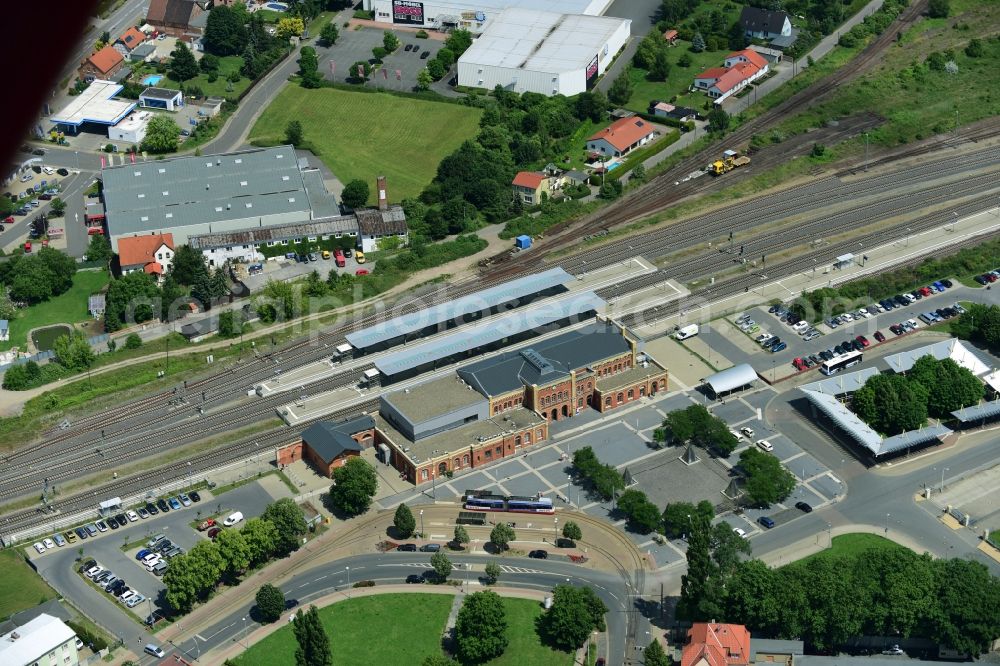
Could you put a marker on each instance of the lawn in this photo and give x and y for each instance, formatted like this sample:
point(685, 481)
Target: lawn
point(678, 81)
point(851, 545)
point(217, 88)
point(525, 648)
point(402, 629)
point(20, 586)
point(67, 308)
point(364, 135)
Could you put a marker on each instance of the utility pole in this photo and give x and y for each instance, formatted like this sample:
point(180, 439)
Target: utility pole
point(866, 152)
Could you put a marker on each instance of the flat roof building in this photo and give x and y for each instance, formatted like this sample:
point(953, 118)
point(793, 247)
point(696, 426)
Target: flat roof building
point(472, 16)
point(95, 105)
point(161, 98)
point(527, 50)
point(131, 129)
point(197, 195)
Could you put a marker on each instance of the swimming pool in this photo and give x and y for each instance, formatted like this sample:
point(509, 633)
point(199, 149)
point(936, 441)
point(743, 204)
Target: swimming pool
point(277, 6)
point(151, 80)
point(614, 165)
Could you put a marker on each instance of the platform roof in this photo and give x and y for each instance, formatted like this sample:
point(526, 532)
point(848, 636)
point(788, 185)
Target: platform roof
point(842, 383)
point(473, 337)
point(95, 105)
point(985, 410)
point(951, 348)
point(732, 378)
point(439, 314)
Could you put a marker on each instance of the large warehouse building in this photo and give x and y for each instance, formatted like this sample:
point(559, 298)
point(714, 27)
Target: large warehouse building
point(187, 196)
point(472, 15)
point(525, 50)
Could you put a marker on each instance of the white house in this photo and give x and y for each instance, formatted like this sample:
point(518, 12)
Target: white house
point(621, 137)
point(152, 254)
point(765, 24)
point(739, 70)
point(44, 641)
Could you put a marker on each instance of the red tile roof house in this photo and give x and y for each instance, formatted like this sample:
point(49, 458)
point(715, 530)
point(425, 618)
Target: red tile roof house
point(670, 37)
point(130, 39)
point(739, 70)
point(103, 64)
point(530, 185)
point(622, 137)
point(711, 644)
point(178, 18)
point(152, 254)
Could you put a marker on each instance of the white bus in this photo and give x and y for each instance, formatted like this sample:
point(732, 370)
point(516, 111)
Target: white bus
point(835, 365)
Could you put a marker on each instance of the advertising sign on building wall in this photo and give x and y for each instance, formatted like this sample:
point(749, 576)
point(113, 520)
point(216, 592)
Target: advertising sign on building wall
point(407, 12)
point(592, 73)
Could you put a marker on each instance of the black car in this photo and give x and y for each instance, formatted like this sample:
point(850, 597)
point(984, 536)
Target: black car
point(825, 355)
point(539, 554)
point(425, 55)
point(415, 579)
point(164, 546)
point(122, 520)
point(348, 253)
point(112, 523)
point(407, 548)
point(62, 172)
point(408, 47)
point(773, 309)
point(774, 343)
point(162, 504)
point(82, 533)
point(815, 359)
point(38, 151)
point(916, 294)
point(981, 279)
point(943, 313)
point(87, 564)
point(901, 300)
point(946, 283)
point(151, 509)
point(803, 507)
point(858, 346)
point(195, 497)
point(45, 196)
point(565, 543)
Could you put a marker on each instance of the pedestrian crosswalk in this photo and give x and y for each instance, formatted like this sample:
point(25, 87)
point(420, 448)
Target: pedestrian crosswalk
point(510, 569)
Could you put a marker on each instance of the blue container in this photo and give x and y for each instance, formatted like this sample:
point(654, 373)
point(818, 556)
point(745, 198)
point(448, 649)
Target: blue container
point(522, 242)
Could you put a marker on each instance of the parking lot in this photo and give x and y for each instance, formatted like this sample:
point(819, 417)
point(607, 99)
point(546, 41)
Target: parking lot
point(356, 46)
point(285, 269)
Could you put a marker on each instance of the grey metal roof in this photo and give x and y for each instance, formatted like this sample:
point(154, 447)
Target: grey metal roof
point(472, 337)
point(732, 378)
point(342, 224)
point(573, 350)
point(438, 314)
point(774, 646)
point(330, 440)
point(985, 410)
point(322, 202)
point(950, 348)
point(203, 190)
point(432, 398)
point(842, 383)
point(844, 660)
point(389, 222)
point(159, 93)
point(913, 438)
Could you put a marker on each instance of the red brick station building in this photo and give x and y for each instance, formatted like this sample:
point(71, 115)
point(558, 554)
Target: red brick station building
point(493, 408)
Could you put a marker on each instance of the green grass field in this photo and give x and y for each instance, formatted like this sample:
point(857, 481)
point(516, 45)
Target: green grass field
point(217, 88)
point(67, 308)
point(850, 545)
point(409, 628)
point(20, 586)
point(678, 81)
point(364, 135)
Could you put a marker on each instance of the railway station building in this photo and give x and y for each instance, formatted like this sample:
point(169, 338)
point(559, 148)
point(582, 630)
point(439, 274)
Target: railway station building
point(327, 445)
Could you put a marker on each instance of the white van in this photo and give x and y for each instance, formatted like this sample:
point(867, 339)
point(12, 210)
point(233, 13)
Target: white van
point(233, 518)
point(688, 331)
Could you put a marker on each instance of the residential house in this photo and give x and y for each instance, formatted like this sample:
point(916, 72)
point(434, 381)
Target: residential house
point(739, 70)
point(151, 254)
point(178, 18)
point(576, 177)
point(104, 64)
point(44, 641)
point(143, 53)
point(760, 23)
point(660, 108)
point(622, 137)
point(670, 37)
point(530, 185)
point(714, 644)
point(128, 41)
point(327, 445)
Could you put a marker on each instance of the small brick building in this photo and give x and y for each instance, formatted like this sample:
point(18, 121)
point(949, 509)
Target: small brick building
point(103, 64)
point(327, 445)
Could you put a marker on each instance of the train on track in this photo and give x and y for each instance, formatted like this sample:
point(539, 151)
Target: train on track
point(483, 500)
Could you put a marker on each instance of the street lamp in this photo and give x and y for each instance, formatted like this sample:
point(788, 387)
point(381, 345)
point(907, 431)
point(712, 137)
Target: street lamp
point(348, 570)
point(245, 645)
point(421, 523)
point(556, 525)
point(887, 524)
point(943, 470)
point(569, 488)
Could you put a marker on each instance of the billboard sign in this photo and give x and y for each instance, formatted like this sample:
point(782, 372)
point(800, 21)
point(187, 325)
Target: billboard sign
point(407, 12)
point(592, 73)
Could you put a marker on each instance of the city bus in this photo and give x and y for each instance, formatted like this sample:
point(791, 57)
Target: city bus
point(835, 365)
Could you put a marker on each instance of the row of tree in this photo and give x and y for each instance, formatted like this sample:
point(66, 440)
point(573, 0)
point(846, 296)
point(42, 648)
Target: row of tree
point(980, 323)
point(37, 277)
point(194, 575)
point(698, 426)
point(602, 479)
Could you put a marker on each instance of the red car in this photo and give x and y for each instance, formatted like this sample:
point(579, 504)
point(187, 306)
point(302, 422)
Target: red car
point(361, 271)
point(863, 340)
point(880, 336)
point(925, 291)
point(799, 364)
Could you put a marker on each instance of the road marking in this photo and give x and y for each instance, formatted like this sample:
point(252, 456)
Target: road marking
point(319, 579)
point(200, 637)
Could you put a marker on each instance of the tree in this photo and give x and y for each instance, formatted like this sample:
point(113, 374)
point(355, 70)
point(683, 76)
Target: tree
point(968, 627)
point(329, 34)
point(133, 341)
point(313, 643)
point(270, 601)
point(359, 71)
point(718, 120)
point(891, 403)
point(260, 536)
point(183, 66)
point(461, 535)
point(974, 49)
point(404, 521)
point(235, 551)
point(424, 80)
point(57, 207)
point(481, 627)
point(697, 43)
point(445, 57)
point(32, 280)
point(767, 479)
point(161, 135)
point(61, 266)
point(355, 194)
point(225, 34)
point(501, 535)
point(73, 352)
point(493, 572)
point(727, 546)
point(621, 88)
point(442, 566)
point(435, 69)
point(354, 485)
point(575, 613)
point(949, 386)
point(685, 60)
point(187, 265)
point(939, 8)
point(646, 51)
point(659, 69)
point(99, 249)
point(390, 41)
point(293, 26)
point(459, 41)
point(289, 524)
point(611, 189)
point(638, 174)
point(678, 517)
point(642, 514)
point(655, 656)
point(193, 575)
point(699, 599)
point(293, 132)
point(379, 53)
point(309, 68)
point(209, 63)
point(572, 531)
point(230, 325)
point(751, 595)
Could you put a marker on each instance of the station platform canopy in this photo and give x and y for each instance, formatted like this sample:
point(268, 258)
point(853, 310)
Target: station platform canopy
point(732, 378)
point(481, 335)
point(842, 383)
point(951, 348)
point(980, 412)
point(451, 310)
point(96, 104)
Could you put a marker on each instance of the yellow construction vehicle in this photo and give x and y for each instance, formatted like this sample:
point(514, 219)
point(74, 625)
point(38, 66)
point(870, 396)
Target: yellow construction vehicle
point(730, 160)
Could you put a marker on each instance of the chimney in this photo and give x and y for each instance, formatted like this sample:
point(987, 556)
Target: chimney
point(383, 203)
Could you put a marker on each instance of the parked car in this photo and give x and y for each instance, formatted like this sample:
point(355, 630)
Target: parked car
point(233, 518)
point(135, 600)
point(765, 445)
point(425, 55)
point(414, 579)
point(879, 336)
point(82, 533)
point(162, 504)
point(195, 497)
point(430, 548)
point(151, 509)
point(174, 503)
point(185, 500)
point(407, 548)
point(539, 554)
point(70, 536)
point(740, 533)
point(122, 520)
point(59, 540)
point(781, 346)
point(142, 554)
point(766, 522)
point(863, 340)
point(39, 547)
point(143, 513)
point(154, 650)
point(748, 432)
point(804, 507)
